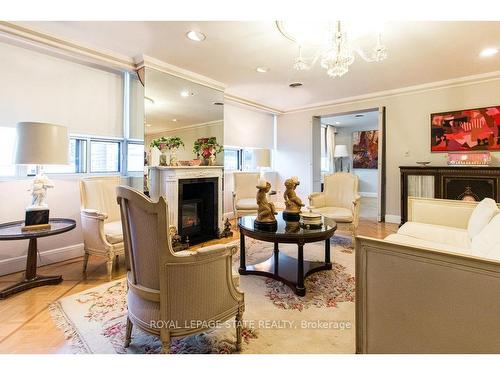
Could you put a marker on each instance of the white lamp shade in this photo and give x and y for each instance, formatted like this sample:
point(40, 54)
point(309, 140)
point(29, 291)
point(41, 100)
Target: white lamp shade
point(41, 143)
point(263, 158)
point(341, 151)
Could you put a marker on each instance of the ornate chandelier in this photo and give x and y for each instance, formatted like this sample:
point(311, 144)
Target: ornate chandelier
point(333, 43)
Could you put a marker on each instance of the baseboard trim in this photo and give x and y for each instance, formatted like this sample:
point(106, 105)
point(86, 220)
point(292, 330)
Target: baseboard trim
point(368, 194)
point(395, 219)
point(17, 264)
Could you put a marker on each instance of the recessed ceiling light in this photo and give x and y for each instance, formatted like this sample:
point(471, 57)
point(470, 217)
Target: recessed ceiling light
point(295, 84)
point(174, 120)
point(149, 100)
point(261, 69)
point(218, 103)
point(487, 52)
point(186, 93)
point(337, 122)
point(148, 125)
point(197, 36)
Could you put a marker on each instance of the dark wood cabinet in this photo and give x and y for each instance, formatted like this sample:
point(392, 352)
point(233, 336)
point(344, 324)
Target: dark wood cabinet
point(460, 183)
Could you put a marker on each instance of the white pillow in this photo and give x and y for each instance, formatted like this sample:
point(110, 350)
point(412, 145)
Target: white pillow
point(486, 244)
point(481, 216)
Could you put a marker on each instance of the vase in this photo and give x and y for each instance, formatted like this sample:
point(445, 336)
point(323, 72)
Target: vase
point(163, 158)
point(173, 157)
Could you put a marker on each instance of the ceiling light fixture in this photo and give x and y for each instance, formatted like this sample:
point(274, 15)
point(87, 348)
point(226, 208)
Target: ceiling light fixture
point(261, 69)
point(295, 84)
point(487, 52)
point(196, 36)
point(332, 44)
point(186, 93)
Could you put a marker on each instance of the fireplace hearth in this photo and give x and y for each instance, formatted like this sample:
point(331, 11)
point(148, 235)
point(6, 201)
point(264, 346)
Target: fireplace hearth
point(197, 216)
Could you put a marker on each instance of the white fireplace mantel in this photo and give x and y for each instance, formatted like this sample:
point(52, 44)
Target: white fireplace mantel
point(164, 181)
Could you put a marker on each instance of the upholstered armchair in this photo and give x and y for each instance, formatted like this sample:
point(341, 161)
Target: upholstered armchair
point(100, 216)
point(244, 193)
point(166, 290)
point(339, 200)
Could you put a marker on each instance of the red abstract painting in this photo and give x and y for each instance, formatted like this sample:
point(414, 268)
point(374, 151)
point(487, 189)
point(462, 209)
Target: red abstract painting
point(466, 130)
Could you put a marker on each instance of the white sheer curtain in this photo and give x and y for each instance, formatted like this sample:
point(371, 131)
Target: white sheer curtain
point(330, 146)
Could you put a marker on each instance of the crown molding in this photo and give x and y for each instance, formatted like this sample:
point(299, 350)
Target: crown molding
point(151, 62)
point(192, 126)
point(409, 90)
point(254, 105)
point(33, 39)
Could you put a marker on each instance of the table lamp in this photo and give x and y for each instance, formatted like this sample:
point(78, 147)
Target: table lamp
point(40, 144)
point(262, 160)
point(341, 152)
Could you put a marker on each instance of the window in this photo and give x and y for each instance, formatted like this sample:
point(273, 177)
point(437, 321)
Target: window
point(248, 160)
point(104, 156)
point(135, 157)
point(77, 159)
point(7, 144)
point(232, 159)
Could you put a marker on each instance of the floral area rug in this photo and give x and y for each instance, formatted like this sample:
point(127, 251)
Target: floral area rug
point(275, 319)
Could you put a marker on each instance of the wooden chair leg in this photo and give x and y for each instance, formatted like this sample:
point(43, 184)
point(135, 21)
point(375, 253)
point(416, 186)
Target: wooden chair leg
point(109, 267)
point(128, 333)
point(165, 341)
point(85, 261)
point(239, 328)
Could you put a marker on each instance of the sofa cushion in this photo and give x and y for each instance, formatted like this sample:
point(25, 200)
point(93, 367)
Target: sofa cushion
point(247, 204)
point(481, 216)
point(436, 233)
point(339, 214)
point(420, 243)
point(113, 232)
point(486, 244)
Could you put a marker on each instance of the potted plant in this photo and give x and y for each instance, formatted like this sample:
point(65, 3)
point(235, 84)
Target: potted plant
point(170, 144)
point(207, 148)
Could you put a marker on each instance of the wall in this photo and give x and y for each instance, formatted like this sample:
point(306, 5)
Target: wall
point(39, 87)
point(408, 130)
point(368, 178)
point(245, 128)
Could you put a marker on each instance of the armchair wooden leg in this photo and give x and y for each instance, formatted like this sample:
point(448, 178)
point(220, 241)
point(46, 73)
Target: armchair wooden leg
point(85, 261)
point(165, 341)
point(128, 333)
point(109, 267)
point(239, 328)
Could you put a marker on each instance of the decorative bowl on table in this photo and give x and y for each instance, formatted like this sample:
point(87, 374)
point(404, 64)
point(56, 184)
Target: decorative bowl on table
point(195, 162)
point(310, 220)
point(184, 163)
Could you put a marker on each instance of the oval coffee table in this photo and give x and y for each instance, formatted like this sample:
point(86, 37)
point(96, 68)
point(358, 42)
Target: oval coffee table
point(12, 231)
point(289, 270)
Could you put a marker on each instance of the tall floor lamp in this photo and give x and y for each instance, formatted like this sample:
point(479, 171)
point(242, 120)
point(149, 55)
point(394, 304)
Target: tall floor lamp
point(341, 152)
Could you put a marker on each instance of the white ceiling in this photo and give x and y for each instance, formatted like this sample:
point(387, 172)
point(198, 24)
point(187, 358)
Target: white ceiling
point(419, 52)
point(369, 118)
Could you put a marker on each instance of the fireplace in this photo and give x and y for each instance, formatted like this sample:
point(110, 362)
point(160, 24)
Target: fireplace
point(197, 216)
point(471, 189)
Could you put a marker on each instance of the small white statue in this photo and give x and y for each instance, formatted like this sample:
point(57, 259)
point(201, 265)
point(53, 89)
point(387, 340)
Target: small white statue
point(39, 191)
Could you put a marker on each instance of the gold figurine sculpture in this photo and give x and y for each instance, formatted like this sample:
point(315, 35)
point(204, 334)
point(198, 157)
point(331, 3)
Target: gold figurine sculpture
point(266, 210)
point(293, 203)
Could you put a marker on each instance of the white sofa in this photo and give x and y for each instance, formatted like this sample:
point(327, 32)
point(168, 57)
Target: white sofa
point(433, 286)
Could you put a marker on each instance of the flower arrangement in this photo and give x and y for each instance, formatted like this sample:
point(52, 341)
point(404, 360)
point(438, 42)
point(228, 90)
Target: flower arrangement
point(207, 148)
point(164, 143)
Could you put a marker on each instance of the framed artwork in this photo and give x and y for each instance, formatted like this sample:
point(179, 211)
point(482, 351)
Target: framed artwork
point(365, 149)
point(466, 130)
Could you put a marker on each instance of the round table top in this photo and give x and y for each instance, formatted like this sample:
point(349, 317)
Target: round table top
point(287, 231)
point(12, 230)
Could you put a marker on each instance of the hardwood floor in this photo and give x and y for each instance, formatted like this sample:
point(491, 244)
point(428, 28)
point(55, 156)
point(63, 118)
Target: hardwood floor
point(26, 325)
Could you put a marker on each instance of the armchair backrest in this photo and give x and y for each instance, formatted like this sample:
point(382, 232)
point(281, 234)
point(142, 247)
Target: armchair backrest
point(340, 189)
point(245, 184)
point(145, 236)
point(99, 193)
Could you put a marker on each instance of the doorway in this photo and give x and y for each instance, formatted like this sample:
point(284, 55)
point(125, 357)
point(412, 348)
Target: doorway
point(353, 142)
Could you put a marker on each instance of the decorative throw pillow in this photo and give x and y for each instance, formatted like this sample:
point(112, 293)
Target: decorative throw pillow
point(481, 216)
point(486, 244)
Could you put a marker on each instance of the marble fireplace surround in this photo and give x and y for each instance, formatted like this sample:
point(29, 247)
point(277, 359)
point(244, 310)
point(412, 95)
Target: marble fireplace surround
point(164, 181)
